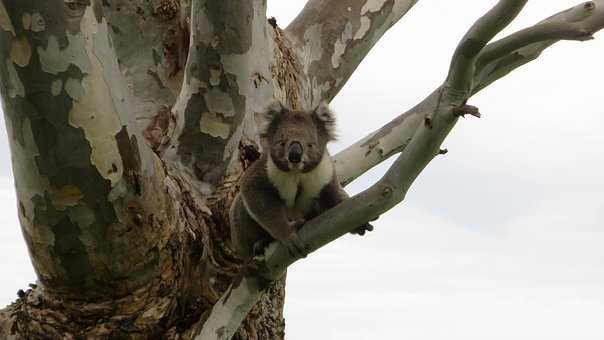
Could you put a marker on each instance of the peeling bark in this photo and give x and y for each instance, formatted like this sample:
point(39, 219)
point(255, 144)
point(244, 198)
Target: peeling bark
point(218, 96)
point(333, 37)
point(130, 123)
point(151, 43)
point(79, 163)
point(115, 234)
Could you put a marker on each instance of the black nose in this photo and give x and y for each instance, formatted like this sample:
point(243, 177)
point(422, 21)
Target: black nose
point(295, 152)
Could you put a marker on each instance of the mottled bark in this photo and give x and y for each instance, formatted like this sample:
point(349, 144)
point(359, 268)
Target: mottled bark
point(333, 36)
point(227, 78)
point(130, 122)
point(151, 40)
point(95, 213)
point(83, 174)
point(123, 244)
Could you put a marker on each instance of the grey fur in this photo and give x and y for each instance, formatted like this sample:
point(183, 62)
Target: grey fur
point(278, 196)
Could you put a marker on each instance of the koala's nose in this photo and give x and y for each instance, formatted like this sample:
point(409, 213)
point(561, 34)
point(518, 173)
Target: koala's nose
point(295, 152)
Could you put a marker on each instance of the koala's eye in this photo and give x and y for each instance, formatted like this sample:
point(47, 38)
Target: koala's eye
point(310, 145)
point(282, 143)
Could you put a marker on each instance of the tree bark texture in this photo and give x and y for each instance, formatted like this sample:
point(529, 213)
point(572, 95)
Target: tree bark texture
point(130, 123)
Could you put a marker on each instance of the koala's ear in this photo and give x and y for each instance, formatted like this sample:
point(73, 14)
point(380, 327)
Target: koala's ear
point(327, 118)
point(265, 118)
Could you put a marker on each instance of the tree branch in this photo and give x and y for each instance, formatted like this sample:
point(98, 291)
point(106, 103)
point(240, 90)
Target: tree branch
point(228, 49)
point(503, 56)
point(380, 145)
point(461, 72)
point(540, 32)
point(334, 36)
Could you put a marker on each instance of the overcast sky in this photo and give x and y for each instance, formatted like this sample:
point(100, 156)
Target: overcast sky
point(502, 238)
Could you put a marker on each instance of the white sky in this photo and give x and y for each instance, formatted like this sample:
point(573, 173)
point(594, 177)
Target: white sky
point(502, 238)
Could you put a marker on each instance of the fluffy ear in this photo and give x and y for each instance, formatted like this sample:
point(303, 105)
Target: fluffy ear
point(327, 118)
point(265, 118)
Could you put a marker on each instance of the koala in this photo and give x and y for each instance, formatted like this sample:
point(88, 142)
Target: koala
point(293, 181)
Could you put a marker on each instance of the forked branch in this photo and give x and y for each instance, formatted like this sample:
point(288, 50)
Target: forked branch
point(495, 61)
point(505, 55)
point(418, 143)
point(463, 64)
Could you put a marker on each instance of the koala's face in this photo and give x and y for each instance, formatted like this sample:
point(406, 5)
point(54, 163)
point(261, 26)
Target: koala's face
point(297, 140)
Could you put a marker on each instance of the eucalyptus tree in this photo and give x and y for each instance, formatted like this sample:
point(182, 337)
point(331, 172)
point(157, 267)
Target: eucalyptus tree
point(130, 123)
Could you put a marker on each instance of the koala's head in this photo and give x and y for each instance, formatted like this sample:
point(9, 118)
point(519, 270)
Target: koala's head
point(296, 139)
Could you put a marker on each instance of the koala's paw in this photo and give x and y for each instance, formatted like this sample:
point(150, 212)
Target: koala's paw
point(363, 229)
point(297, 224)
point(260, 246)
point(295, 246)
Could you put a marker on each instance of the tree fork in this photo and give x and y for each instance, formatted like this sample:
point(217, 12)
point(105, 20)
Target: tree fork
point(131, 240)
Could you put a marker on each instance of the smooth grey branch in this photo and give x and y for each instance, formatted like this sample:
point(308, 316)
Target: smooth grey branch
point(503, 56)
point(463, 62)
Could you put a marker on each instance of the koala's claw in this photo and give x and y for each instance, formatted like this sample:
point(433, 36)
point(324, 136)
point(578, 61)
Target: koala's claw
point(363, 229)
point(260, 246)
point(295, 246)
point(297, 224)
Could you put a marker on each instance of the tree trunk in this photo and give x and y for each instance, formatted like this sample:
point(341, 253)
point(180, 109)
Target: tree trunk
point(125, 243)
point(130, 123)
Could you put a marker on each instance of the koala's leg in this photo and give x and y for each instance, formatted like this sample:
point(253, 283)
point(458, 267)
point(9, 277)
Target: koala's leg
point(267, 209)
point(332, 195)
point(245, 232)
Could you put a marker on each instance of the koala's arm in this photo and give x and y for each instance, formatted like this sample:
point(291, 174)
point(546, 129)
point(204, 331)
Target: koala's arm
point(332, 195)
point(265, 206)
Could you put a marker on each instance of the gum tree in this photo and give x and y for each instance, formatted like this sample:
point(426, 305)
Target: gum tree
point(130, 123)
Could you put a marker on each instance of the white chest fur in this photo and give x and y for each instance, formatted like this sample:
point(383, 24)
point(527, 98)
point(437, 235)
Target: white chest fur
point(297, 189)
